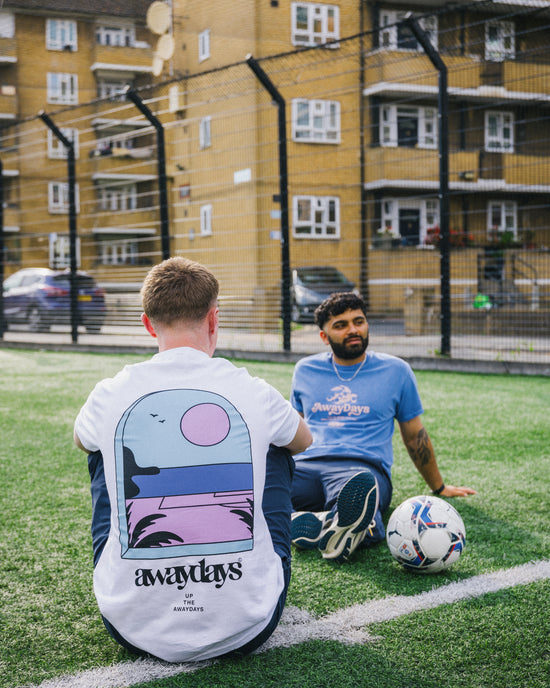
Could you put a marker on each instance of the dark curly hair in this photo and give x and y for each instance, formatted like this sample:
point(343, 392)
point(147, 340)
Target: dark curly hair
point(336, 304)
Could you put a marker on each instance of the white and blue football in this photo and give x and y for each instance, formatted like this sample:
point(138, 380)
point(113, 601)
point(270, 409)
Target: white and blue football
point(425, 534)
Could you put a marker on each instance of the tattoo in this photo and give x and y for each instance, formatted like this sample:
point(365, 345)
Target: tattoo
point(420, 451)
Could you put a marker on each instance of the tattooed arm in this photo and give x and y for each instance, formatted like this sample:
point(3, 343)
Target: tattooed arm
point(420, 448)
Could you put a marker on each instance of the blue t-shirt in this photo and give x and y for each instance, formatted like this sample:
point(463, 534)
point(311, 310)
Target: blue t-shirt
point(354, 417)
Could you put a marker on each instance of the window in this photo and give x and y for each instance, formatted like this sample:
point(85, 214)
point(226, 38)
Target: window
point(61, 34)
point(112, 88)
point(316, 120)
point(204, 45)
point(314, 24)
point(394, 35)
point(205, 140)
point(502, 217)
point(56, 149)
point(206, 220)
point(60, 251)
point(58, 197)
point(316, 217)
point(121, 252)
point(115, 35)
point(62, 88)
point(499, 132)
point(408, 126)
point(7, 24)
point(409, 219)
point(122, 197)
point(500, 42)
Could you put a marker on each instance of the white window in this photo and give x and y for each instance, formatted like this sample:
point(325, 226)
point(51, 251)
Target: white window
point(206, 220)
point(56, 149)
point(7, 24)
point(499, 132)
point(502, 217)
point(205, 140)
point(410, 218)
point(121, 252)
point(204, 45)
point(316, 120)
point(411, 127)
point(123, 197)
point(115, 35)
point(58, 197)
point(394, 35)
point(500, 41)
point(316, 217)
point(112, 88)
point(61, 34)
point(314, 24)
point(62, 88)
point(60, 251)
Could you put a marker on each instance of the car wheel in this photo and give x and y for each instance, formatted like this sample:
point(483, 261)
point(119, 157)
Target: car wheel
point(35, 320)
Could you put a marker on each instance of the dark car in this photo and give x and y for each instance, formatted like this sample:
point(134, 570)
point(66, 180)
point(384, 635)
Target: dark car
point(40, 297)
point(311, 286)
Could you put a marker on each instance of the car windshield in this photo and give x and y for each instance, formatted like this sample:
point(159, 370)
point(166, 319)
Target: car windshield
point(322, 276)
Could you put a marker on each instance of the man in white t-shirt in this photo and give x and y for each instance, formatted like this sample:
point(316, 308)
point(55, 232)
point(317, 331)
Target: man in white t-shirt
point(191, 469)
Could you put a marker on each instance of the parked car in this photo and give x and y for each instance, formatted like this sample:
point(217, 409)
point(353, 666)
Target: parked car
point(311, 286)
point(40, 297)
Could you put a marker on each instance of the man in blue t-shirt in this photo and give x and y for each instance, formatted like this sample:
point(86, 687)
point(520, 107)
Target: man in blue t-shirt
point(350, 399)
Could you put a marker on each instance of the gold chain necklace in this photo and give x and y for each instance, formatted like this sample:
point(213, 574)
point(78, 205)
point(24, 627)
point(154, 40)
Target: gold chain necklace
point(348, 379)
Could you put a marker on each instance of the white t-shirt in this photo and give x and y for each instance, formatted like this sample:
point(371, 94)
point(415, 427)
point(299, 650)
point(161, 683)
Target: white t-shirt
point(189, 570)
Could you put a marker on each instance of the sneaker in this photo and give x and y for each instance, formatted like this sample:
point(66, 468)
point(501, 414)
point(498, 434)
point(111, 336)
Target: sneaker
point(355, 509)
point(307, 528)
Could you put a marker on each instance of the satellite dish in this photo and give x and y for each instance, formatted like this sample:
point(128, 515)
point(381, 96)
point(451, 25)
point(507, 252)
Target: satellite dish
point(158, 64)
point(158, 17)
point(165, 47)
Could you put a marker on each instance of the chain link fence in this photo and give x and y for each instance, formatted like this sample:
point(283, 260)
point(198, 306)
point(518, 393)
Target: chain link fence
point(359, 191)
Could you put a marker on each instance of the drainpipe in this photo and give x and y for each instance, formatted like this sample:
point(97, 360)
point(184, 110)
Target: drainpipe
point(69, 147)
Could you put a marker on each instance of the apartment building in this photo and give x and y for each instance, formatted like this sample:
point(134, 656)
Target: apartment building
point(363, 145)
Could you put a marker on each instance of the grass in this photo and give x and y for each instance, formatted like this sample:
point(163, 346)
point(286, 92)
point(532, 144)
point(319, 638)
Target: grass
point(490, 432)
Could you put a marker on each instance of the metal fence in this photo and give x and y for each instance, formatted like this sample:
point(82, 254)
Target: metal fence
point(334, 158)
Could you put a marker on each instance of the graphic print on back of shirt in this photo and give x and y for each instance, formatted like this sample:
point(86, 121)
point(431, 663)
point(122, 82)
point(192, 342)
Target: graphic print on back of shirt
point(184, 476)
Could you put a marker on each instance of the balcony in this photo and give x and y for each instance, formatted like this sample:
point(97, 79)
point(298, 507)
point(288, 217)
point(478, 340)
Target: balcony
point(8, 51)
point(122, 59)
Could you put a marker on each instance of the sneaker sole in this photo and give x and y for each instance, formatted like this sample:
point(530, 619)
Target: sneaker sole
point(356, 505)
point(306, 530)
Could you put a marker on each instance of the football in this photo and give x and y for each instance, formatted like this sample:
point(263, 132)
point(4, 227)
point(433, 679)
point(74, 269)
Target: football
point(425, 534)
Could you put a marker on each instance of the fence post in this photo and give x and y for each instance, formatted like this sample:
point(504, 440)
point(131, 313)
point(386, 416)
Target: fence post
point(161, 167)
point(2, 321)
point(283, 193)
point(444, 246)
point(72, 221)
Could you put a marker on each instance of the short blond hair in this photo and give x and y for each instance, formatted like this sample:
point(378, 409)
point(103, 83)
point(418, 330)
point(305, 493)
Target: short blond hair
point(178, 289)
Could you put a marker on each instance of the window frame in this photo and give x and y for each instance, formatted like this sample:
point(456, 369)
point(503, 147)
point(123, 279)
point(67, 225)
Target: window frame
point(62, 88)
point(325, 228)
point(57, 29)
point(327, 111)
point(58, 198)
point(499, 142)
point(124, 35)
point(388, 126)
point(509, 217)
point(429, 214)
point(56, 149)
point(122, 197)
point(389, 20)
point(315, 13)
point(204, 45)
point(497, 51)
point(206, 219)
point(205, 132)
point(118, 252)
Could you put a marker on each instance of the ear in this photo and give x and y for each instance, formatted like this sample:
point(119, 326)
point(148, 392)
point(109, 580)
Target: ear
point(148, 325)
point(324, 337)
point(213, 319)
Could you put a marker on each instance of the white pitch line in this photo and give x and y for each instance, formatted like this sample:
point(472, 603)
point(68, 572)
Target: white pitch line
point(347, 626)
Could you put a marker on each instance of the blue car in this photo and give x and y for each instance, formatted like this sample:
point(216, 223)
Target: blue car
point(311, 286)
point(40, 298)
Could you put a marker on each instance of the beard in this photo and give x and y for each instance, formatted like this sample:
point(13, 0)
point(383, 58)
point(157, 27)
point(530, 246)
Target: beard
point(350, 348)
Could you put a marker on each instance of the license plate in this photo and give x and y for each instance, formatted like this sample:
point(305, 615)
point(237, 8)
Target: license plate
point(84, 297)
